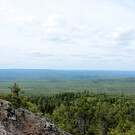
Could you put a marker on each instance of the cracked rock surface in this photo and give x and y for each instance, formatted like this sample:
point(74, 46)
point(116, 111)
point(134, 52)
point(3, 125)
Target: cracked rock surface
point(23, 122)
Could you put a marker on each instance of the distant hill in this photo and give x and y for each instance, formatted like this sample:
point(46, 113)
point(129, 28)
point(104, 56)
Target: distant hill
point(40, 81)
point(53, 75)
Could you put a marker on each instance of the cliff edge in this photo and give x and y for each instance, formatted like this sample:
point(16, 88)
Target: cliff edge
point(23, 122)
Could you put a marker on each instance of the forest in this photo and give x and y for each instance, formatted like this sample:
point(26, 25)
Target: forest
point(39, 82)
point(81, 113)
point(96, 106)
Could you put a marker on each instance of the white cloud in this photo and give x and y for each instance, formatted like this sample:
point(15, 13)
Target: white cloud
point(6, 11)
point(58, 29)
point(3, 9)
point(55, 20)
point(122, 36)
point(40, 54)
point(122, 33)
point(12, 11)
point(23, 18)
point(16, 18)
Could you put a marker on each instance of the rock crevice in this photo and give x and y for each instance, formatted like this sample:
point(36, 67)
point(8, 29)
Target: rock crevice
point(23, 122)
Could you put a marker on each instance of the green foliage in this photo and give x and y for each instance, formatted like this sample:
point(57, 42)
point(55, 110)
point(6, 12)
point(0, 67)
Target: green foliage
point(41, 82)
point(15, 89)
point(90, 114)
point(79, 113)
point(32, 107)
point(16, 97)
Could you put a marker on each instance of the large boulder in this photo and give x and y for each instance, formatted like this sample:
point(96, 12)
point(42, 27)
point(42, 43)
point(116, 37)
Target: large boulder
point(23, 122)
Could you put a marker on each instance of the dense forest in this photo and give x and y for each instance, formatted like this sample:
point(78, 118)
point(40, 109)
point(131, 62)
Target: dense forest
point(82, 103)
point(38, 82)
point(89, 114)
point(81, 113)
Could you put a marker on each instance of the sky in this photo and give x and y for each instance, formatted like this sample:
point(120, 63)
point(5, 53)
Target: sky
point(67, 34)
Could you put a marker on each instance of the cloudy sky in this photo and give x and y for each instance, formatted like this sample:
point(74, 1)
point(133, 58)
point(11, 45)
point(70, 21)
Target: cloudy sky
point(67, 34)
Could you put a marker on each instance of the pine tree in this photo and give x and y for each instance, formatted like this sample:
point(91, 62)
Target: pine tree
point(15, 98)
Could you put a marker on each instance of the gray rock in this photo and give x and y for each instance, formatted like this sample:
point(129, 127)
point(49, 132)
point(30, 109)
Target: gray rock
point(23, 122)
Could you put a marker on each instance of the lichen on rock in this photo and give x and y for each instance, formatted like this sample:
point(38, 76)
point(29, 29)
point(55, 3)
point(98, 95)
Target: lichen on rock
point(23, 122)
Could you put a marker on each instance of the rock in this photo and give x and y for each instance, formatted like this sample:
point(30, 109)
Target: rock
point(23, 122)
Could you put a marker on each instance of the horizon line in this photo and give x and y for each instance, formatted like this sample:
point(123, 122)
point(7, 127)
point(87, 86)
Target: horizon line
point(64, 69)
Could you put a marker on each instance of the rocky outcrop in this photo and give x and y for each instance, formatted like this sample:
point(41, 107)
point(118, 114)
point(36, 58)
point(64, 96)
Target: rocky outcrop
point(22, 122)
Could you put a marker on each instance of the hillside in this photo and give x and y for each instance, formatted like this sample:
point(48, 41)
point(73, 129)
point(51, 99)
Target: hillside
point(38, 82)
point(58, 75)
point(23, 122)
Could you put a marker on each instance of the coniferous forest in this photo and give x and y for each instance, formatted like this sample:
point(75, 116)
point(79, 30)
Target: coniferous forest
point(83, 113)
point(88, 114)
point(91, 107)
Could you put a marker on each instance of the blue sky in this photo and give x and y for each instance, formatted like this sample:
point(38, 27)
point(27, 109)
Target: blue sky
point(67, 34)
